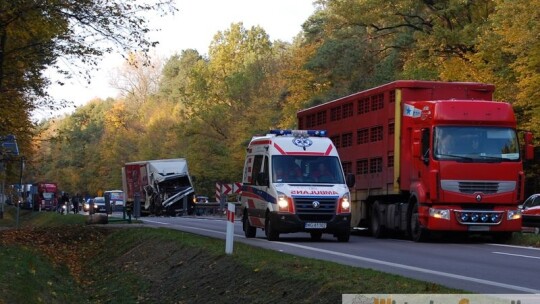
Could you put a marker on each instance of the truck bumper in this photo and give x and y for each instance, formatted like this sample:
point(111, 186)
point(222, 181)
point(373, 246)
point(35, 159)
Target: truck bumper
point(452, 223)
point(289, 223)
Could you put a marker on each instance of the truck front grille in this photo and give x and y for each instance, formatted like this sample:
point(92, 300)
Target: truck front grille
point(470, 187)
point(315, 208)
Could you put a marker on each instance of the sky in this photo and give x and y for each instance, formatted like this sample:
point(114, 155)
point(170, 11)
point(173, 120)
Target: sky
point(193, 27)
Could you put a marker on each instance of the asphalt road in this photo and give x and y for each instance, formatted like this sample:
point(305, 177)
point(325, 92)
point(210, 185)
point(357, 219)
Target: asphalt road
point(473, 266)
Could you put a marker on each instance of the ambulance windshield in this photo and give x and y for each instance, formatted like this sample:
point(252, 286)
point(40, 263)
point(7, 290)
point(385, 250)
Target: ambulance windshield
point(307, 169)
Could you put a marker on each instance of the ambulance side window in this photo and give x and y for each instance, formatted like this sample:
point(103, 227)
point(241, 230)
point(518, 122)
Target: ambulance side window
point(260, 171)
point(257, 165)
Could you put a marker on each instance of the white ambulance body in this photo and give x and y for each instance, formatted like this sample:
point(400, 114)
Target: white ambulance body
point(293, 181)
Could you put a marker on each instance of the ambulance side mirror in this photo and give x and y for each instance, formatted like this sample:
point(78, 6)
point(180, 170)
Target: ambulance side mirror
point(351, 180)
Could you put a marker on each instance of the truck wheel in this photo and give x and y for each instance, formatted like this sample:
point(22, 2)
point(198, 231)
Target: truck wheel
point(344, 236)
point(377, 229)
point(249, 231)
point(271, 233)
point(316, 236)
point(502, 237)
point(416, 231)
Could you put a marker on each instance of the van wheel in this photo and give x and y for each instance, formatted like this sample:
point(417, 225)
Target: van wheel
point(271, 233)
point(377, 229)
point(316, 236)
point(249, 231)
point(417, 232)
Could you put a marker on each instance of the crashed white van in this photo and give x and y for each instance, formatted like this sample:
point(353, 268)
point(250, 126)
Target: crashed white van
point(293, 181)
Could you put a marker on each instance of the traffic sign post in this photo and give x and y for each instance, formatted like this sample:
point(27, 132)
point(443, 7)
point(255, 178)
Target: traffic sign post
point(230, 228)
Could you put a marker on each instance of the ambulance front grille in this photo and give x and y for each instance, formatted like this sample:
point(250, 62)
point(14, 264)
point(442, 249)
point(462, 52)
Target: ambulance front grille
point(307, 208)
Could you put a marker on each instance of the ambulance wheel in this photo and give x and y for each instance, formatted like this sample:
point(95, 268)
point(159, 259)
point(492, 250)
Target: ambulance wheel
point(249, 231)
point(316, 236)
point(417, 232)
point(344, 236)
point(377, 229)
point(271, 233)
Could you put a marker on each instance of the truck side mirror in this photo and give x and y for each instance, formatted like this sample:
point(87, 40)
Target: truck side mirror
point(351, 180)
point(529, 148)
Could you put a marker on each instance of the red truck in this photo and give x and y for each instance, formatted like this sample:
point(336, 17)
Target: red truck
point(45, 196)
point(428, 157)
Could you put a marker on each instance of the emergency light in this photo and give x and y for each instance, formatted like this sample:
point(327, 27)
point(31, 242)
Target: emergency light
point(299, 133)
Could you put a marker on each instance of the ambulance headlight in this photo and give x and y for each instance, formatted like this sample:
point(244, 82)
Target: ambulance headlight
point(344, 204)
point(282, 201)
point(285, 203)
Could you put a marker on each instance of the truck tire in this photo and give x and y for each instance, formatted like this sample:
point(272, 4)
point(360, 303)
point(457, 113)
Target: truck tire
point(271, 233)
point(344, 236)
point(416, 231)
point(378, 230)
point(502, 237)
point(249, 231)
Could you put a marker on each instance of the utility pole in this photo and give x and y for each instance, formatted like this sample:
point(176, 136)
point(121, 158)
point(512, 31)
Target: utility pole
point(8, 148)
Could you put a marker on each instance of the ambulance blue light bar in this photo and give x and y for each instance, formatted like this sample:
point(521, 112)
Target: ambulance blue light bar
point(299, 133)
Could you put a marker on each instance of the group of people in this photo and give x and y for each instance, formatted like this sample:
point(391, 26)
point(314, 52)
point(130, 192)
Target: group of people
point(75, 200)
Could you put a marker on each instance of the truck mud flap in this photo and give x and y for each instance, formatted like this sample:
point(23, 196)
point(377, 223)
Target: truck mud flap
point(177, 197)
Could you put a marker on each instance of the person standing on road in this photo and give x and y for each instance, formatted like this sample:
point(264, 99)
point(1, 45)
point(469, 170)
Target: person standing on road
point(75, 200)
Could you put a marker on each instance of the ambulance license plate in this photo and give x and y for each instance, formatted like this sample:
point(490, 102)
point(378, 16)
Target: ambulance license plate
point(315, 225)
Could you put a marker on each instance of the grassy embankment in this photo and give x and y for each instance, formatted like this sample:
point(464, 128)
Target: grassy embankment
point(58, 259)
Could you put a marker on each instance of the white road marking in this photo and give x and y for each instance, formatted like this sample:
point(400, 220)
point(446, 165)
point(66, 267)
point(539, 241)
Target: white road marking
point(156, 222)
point(515, 246)
point(517, 255)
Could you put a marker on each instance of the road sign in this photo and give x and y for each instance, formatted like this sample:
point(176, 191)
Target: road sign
point(9, 145)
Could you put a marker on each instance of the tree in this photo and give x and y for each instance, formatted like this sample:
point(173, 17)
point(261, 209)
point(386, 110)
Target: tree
point(138, 79)
point(34, 35)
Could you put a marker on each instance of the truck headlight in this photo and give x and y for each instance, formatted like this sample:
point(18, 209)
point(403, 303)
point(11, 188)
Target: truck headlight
point(513, 215)
point(439, 213)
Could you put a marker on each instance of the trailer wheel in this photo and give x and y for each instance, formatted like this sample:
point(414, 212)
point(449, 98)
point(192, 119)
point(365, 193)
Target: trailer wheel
point(249, 231)
point(416, 231)
point(271, 233)
point(377, 229)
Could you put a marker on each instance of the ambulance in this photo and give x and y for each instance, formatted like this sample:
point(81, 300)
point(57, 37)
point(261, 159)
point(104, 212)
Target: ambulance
point(293, 181)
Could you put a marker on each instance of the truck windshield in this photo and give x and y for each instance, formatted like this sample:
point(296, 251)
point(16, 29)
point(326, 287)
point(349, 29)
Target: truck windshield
point(479, 144)
point(306, 169)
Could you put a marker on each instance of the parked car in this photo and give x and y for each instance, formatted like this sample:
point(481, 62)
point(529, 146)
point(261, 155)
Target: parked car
point(100, 206)
point(530, 211)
